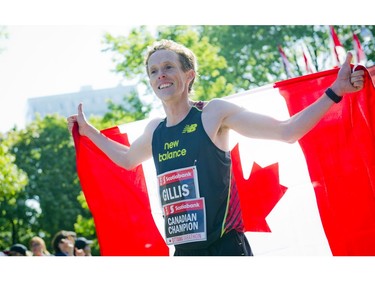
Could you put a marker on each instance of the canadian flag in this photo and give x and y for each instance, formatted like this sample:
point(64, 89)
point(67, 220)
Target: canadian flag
point(360, 54)
point(314, 197)
point(285, 61)
point(338, 49)
point(309, 65)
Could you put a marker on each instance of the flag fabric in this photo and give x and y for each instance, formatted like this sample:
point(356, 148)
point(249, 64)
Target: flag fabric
point(118, 201)
point(360, 54)
point(338, 49)
point(340, 155)
point(285, 62)
point(277, 198)
point(309, 66)
point(313, 197)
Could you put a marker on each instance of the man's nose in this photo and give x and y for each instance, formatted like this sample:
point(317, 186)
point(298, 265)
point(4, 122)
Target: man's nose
point(161, 75)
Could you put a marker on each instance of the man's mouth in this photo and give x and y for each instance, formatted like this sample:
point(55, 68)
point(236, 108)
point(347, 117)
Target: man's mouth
point(165, 85)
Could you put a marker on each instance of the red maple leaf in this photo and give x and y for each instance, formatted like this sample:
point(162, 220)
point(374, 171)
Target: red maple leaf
point(258, 194)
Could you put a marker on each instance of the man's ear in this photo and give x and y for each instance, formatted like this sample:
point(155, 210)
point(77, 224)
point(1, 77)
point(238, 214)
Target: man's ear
point(191, 74)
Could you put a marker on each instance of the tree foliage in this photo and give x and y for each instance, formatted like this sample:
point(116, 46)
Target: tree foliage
point(133, 109)
point(252, 51)
point(12, 208)
point(44, 150)
point(129, 53)
point(40, 191)
point(234, 58)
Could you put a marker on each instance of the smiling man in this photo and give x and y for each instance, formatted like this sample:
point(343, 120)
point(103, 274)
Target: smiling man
point(191, 152)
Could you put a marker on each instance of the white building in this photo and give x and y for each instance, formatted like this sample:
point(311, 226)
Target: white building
point(95, 102)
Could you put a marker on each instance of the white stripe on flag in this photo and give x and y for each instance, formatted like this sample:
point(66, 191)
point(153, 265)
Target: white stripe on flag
point(295, 224)
point(135, 129)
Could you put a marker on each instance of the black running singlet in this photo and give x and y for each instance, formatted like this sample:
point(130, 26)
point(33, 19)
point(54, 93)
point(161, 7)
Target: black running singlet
point(197, 191)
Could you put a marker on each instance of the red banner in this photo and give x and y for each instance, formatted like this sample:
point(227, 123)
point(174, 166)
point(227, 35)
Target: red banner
point(118, 201)
point(340, 157)
point(340, 154)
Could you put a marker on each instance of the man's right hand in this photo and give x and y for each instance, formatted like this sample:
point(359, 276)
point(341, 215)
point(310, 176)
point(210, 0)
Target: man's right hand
point(79, 118)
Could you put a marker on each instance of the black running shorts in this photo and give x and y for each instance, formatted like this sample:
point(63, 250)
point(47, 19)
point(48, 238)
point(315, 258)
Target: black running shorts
point(232, 243)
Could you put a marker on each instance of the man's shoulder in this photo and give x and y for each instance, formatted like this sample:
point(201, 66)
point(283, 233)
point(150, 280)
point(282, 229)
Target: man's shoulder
point(153, 123)
point(215, 104)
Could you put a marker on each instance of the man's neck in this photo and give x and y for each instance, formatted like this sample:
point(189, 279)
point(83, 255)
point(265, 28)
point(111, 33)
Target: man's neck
point(177, 112)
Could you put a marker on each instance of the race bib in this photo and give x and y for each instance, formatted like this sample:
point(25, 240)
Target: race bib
point(184, 210)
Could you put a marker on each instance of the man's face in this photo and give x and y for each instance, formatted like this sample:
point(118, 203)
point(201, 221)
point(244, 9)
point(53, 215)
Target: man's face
point(166, 74)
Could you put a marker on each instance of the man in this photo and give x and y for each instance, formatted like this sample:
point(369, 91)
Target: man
point(190, 148)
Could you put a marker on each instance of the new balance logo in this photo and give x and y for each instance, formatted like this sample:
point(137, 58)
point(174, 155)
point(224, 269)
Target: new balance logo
point(189, 128)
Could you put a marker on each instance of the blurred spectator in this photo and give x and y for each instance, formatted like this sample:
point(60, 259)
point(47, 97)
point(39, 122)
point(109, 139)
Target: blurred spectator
point(63, 243)
point(18, 250)
point(83, 244)
point(38, 247)
point(72, 236)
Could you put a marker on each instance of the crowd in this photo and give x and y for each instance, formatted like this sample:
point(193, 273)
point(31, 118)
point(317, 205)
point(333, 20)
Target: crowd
point(64, 243)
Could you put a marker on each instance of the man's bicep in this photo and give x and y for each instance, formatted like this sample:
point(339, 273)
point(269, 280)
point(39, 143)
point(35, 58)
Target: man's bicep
point(141, 149)
point(254, 125)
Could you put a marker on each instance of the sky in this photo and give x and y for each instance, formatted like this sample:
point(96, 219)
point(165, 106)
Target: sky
point(49, 60)
point(56, 49)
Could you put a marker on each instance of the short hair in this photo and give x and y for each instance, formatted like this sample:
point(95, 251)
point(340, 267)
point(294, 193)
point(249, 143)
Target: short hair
point(186, 57)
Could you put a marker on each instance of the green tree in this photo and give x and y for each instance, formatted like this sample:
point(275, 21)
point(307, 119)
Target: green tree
point(252, 54)
point(131, 110)
point(252, 51)
point(129, 52)
point(234, 58)
point(52, 198)
point(44, 150)
point(365, 35)
point(12, 205)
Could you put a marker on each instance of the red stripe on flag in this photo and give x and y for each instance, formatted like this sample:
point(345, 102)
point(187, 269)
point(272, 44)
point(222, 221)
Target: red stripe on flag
point(340, 154)
point(118, 201)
